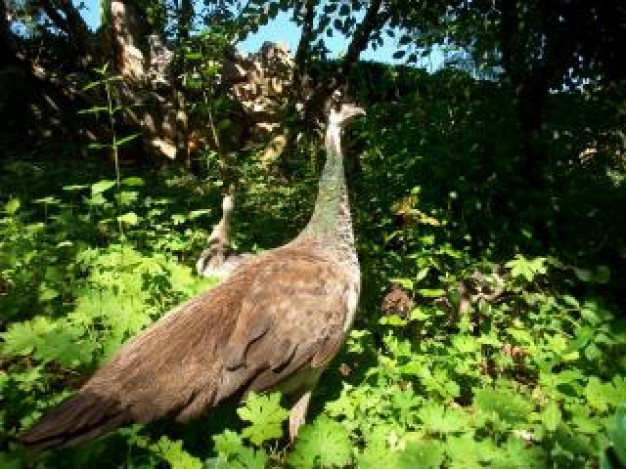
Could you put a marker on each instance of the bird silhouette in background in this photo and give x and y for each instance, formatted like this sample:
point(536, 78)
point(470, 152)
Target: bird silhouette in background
point(217, 260)
point(274, 324)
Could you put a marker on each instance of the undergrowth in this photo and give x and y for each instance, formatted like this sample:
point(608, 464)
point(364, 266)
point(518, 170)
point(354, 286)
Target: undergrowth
point(500, 352)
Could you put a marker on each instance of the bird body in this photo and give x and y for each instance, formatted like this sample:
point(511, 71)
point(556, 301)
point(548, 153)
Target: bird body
point(275, 324)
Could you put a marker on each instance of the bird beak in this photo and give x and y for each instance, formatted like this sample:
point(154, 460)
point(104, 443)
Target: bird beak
point(354, 111)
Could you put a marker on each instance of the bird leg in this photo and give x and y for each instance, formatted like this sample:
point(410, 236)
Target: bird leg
point(298, 414)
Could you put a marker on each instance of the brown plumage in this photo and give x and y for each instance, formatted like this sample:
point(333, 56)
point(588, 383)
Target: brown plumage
point(274, 324)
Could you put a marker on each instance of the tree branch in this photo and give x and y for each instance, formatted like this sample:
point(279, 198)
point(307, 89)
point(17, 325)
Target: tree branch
point(307, 33)
point(373, 20)
point(301, 56)
point(72, 24)
point(55, 16)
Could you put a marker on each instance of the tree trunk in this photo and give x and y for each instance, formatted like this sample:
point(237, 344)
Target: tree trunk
point(533, 70)
point(8, 47)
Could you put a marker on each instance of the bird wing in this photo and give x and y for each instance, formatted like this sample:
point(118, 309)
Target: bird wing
point(293, 320)
point(283, 315)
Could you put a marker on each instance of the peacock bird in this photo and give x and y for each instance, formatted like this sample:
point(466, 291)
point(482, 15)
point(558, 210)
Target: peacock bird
point(275, 324)
point(217, 260)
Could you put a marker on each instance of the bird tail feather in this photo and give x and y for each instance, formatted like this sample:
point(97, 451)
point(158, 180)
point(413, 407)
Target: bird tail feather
point(80, 418)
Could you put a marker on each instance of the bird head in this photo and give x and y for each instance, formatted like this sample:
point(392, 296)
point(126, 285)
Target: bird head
point(342, 112)
point(228, 203)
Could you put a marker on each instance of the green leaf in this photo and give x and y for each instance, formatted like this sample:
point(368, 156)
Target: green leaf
point(431, 292)
point(440, 420)
point(466, 452)
point(234, 454)
point(603, 274)
point(12, 206)
point(133, 181)
point(228, 443)
point(94, 110)
point(419, 314)
point(421, 275)
point(126, 198)
point(405, 283)
point(502, 404)
point(62, 345)
point(93, 84)
point(249, 458)
point(527, 269)
point(47, 200)
point(101, 186)
point(324, 443)
point(515, 454)
point(266, 417)
point(47, 293)
point(393, 320)
point(175, 455)
point(551, 416)
point(124, 140)
point(422, 454)
point(617, 434)
point(602, 396)
point(22, 337)
point(198, 213)
point(583, 274)
point(129, 218)
point(75, 187)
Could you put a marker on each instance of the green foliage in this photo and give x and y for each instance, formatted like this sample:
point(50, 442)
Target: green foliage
point(265, 416)
point(510, 352)
point(615, 454)
point(324, 443)
point(106, 81)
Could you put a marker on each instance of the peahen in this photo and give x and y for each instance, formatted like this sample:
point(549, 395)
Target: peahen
point(217, 260)
point(275, 324)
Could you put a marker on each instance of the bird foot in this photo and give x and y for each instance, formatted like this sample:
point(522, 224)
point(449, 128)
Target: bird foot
point(297, 415)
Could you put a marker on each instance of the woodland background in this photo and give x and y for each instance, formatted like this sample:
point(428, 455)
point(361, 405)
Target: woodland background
point(489, 199)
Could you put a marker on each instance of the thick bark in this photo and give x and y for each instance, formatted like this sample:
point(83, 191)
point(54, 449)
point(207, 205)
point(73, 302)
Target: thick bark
point(130, 30)
point(158, 108)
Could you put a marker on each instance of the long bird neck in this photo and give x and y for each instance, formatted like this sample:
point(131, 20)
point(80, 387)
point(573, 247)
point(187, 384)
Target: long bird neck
point(331, 224)
point(220, 236)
